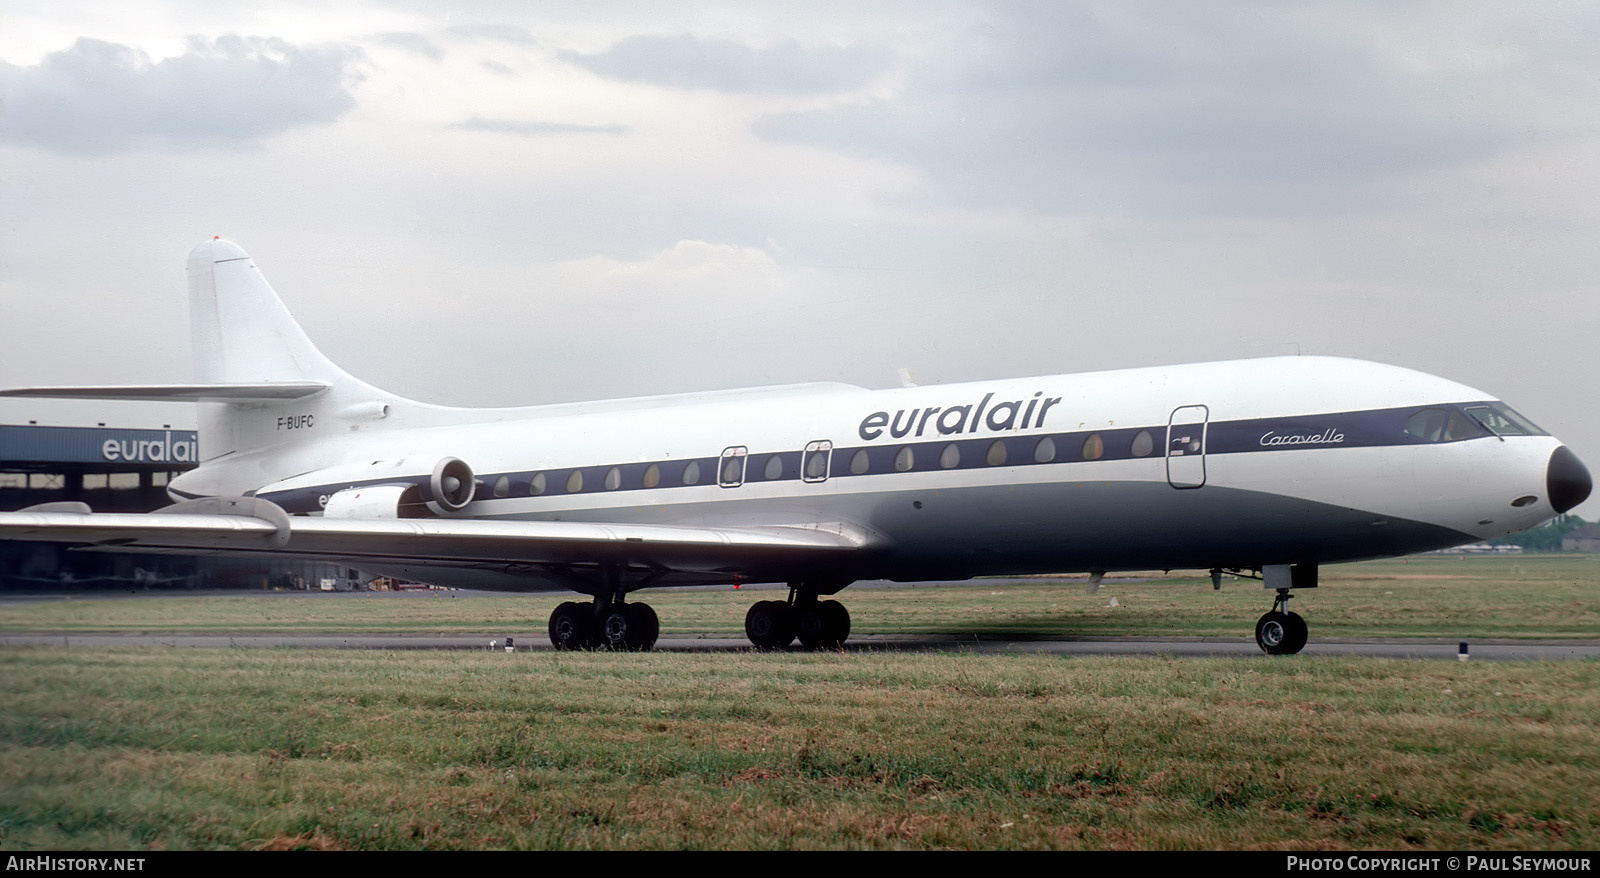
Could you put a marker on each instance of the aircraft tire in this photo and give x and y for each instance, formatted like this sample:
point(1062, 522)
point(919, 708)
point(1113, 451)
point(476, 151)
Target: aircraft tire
point(629, 628)
point(769, 625)
point(823, 625)
point(570, 625)
point(644, 626)
point(1299, 633)
point(1276, 633)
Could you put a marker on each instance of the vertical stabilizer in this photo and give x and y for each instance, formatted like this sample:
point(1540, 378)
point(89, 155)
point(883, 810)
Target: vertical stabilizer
point(243, 334)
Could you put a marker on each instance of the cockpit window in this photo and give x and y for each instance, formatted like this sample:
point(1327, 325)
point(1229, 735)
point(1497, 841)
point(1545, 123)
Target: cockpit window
point(1502, 420)
point(1444, 425)
point(1428, 424)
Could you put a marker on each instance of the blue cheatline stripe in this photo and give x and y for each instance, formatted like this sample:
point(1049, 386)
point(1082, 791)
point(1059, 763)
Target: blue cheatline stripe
point(1358, 429)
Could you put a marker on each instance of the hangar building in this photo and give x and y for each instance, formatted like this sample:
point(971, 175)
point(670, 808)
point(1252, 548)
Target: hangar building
point(117, 469)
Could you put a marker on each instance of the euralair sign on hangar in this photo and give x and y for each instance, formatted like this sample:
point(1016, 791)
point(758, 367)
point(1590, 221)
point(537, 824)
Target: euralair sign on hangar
point(179, 448)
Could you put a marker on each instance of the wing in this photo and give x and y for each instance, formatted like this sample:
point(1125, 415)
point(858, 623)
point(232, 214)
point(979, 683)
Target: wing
point(505, 555)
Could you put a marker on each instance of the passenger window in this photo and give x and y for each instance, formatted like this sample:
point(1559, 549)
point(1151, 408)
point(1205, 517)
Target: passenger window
point(613, 479)
point(731, 473)
point(997, 453)
point(950, 458)
point(774, 468)
point(536, 486)
point(691, 473)
point(1094, 447)
point(903, 459)
point(502, 486)
point(860, 462)
point(1143, 444)
point(652, 476)
point(1045, 451)
point(575, 482)
point(815, 466)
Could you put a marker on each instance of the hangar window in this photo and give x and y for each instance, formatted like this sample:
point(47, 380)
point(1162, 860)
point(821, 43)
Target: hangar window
point(652, 476)
point(1045, 451)
point(997, 453)
point(860, 462)
point(575, 482)
point(691, 473)
point(613, 478)
point(536, 485)
point(1094, 447)
point(774, 468)
point(1143, 444)
point(950, 457)
point(903, 459)
point(502, 486)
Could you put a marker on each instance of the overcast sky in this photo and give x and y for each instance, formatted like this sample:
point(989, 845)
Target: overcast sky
point(501, 203)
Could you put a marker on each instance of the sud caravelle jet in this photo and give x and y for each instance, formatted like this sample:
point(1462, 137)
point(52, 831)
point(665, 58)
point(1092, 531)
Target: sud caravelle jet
point(1267, 467)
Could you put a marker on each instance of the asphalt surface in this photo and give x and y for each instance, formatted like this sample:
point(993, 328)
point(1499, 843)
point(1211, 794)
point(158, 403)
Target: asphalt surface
point(537, 640)
point(1501, 650)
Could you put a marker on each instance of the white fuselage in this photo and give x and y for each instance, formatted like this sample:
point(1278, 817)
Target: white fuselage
point(1287, 460)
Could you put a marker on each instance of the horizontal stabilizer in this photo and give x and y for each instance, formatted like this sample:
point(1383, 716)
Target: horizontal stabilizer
point(175, 392)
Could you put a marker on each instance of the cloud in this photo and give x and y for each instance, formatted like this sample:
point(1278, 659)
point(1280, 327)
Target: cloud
point(412, 43)
point(1150, 108)
point(783, 67)
point(534, 129)
point(98, 97)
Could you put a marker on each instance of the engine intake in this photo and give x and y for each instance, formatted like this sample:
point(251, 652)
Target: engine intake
point(453, 484)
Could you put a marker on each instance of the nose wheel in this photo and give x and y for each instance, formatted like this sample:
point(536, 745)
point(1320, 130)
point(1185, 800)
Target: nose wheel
point(1281, 632)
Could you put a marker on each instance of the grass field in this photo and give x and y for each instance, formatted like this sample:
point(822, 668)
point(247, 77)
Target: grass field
point(1543, 597)
point(230, 748)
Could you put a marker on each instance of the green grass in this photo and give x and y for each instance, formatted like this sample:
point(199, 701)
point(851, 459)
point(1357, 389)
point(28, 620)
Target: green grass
point(141, 748)
point(1543, 597)
point(228, 748)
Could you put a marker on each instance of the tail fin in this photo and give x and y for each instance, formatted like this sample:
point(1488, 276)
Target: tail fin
point(265, 383)
point(243, 336)
point(241, 331)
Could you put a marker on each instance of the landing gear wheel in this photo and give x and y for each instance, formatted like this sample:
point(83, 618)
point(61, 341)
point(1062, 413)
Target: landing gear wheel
point(769, 625)
point(1279, 633)
point(1299, 633)
point(571, 624)
point(823, 625)
point(630, 627)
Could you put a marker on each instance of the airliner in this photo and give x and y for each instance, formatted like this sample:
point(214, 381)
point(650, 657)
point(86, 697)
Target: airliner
point(1265, 468)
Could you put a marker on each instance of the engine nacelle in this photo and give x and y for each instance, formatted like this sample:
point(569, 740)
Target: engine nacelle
point(376, 501)
point(453, 484)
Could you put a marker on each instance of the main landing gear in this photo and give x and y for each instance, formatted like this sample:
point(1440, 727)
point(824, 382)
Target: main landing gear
point(1281, 632)
point(631, 627)
point(817, 623)
point(608, 621)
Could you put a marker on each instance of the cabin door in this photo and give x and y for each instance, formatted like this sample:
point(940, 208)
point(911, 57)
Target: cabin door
point(1186, 446)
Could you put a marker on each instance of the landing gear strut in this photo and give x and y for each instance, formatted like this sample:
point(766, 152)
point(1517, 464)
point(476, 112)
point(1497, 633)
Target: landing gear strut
point(1281, 632)
point(817, 623)
point(607, 622)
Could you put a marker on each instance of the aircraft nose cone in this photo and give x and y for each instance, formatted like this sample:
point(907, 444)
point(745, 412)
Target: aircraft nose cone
point(1566, 480)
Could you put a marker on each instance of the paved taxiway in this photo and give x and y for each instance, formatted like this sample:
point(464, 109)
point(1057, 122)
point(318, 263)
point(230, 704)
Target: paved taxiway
point(1501, 650)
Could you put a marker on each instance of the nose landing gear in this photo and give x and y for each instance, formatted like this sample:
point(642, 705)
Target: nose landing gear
point(1281, 632)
